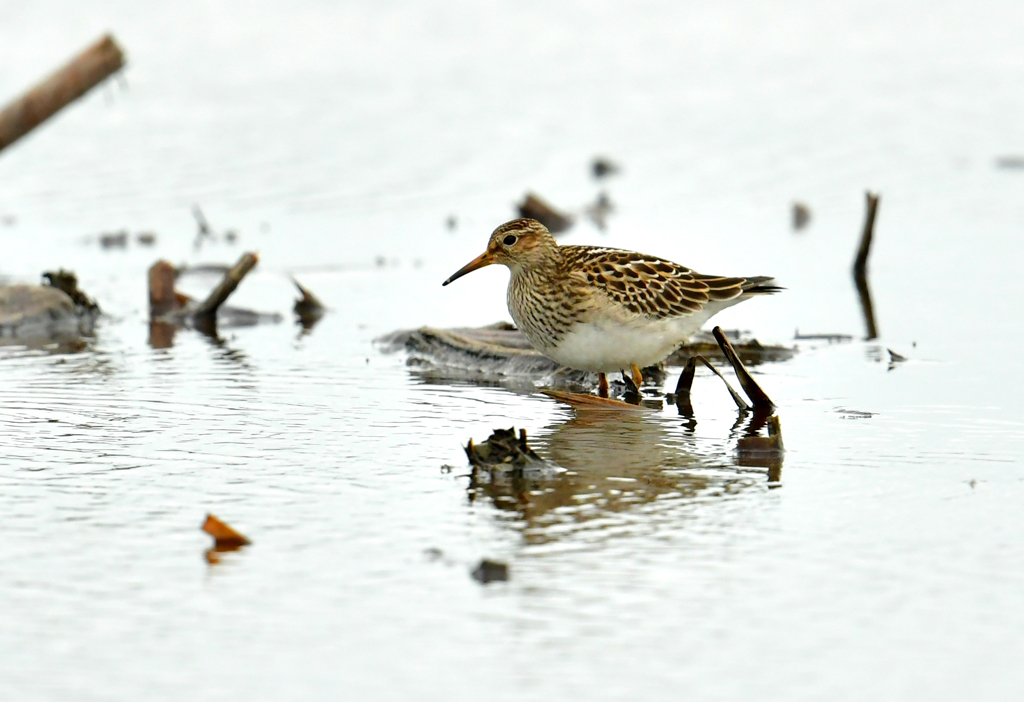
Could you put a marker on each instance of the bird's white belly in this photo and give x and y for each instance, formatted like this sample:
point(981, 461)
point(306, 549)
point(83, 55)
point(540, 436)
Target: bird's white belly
point(607, 346)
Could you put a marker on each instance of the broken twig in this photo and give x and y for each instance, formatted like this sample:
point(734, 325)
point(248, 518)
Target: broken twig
point(208, 307)
point(67, 84)
point(757, 396)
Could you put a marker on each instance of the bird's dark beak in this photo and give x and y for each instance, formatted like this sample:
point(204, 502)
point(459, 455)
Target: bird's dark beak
point(484, 259)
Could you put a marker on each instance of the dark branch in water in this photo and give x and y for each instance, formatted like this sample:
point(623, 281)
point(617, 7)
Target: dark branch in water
point(686, 382)
point(208, 307)
point(860, 266)
point(749, 385)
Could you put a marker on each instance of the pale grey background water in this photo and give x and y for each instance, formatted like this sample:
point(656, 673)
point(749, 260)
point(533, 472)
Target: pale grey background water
point(889, 563)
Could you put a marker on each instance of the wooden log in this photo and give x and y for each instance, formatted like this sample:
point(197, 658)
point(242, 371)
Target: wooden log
point(67, 84)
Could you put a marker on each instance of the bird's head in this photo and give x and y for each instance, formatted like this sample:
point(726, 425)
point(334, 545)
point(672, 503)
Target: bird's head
point(516, 244)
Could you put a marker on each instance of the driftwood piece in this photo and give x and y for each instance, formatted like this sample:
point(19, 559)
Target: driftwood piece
point(64, 86)
point(54, 311)
point(208, 307)
point(860, 265)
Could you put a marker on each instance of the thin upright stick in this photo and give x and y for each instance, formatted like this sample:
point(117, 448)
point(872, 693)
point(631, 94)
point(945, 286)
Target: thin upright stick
point(749, 385)
point(860, 266)
point(686, 382)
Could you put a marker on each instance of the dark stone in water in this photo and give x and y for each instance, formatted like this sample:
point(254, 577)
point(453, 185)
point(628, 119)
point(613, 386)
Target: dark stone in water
point(490, 571)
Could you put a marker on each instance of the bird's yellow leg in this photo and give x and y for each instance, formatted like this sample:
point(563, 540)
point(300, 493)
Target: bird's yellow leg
point(602, 385)
point(638, 377)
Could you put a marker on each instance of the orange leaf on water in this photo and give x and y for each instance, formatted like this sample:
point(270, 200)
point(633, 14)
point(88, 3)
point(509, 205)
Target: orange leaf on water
point(223, 535)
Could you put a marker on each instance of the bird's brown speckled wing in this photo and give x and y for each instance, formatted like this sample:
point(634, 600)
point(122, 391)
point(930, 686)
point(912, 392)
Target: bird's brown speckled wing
point(649, 285)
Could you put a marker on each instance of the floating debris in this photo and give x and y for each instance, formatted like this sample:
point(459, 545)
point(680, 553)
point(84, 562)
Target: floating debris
point(145, 238)
point(225, 539)
point(223, 535)
point(585, 402)
point(67, 282)
point(170, 309)
point(853, 414)
point(502, 448)
point(308, 307)
point(54, 311)
point(896, 357)
point(801, 216)
point(1010, 162)
point(452, 223)
point(602, 167)
point(535, 208)
point(490, 571)
point(114, 240)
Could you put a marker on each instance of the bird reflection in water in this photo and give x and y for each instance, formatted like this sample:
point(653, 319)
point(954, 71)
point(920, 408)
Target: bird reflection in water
point(608, 465)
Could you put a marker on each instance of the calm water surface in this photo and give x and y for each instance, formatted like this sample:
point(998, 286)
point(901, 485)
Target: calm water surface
point(885, 564)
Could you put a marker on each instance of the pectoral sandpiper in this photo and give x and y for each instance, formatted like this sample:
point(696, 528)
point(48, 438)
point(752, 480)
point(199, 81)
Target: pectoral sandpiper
point(604, 310)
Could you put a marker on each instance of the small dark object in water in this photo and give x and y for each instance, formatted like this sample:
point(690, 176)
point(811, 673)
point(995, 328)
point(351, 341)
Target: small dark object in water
point(502, 448)
point(601, 167)
point(895, 357)
point(114, 240)
point(452, 223)
point(533, 207)
point(308, 307)
point(67, 282)
point(1010, 162)
point(490, 571)
point(224, 539)
point(801, 216)
point(8, 220)
point(145, 238)
point(231, 236)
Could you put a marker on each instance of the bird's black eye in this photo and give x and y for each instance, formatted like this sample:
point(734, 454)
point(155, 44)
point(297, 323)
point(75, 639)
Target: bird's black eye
point(509, 240)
